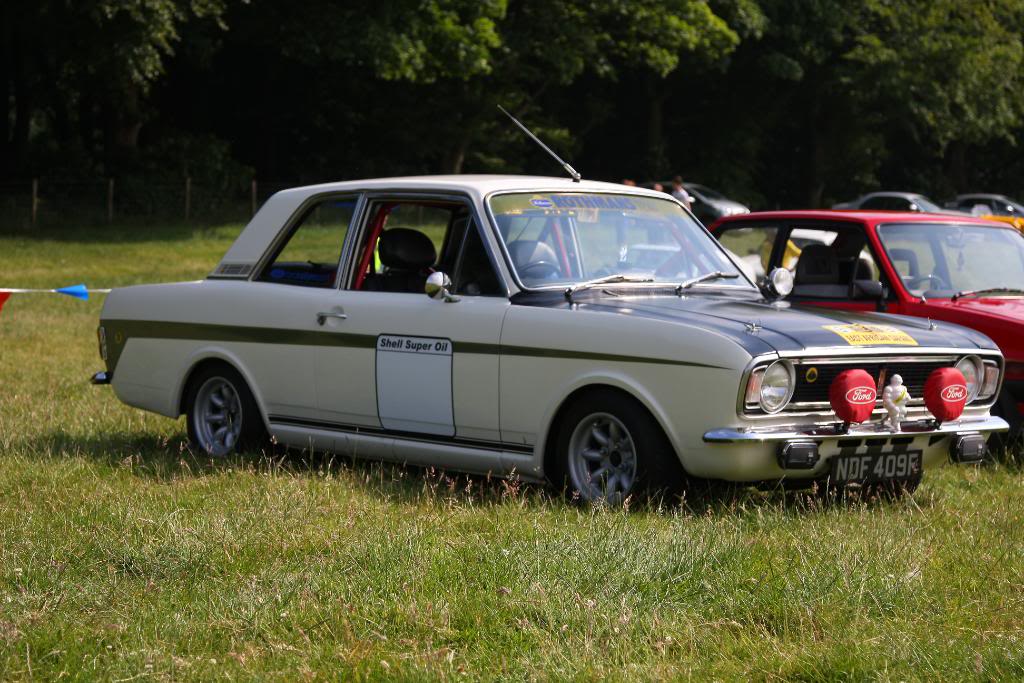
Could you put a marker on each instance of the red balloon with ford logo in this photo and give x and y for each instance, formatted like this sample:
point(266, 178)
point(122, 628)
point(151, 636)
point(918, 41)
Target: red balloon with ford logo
point(852, 395)
point(945, 394)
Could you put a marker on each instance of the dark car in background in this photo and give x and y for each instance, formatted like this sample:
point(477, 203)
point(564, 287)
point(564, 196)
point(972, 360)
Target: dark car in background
point(987, 204)
point(894, 201)
point(710, 205)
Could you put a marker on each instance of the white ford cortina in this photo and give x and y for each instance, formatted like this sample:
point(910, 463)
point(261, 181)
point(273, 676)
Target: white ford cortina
point(586, 333)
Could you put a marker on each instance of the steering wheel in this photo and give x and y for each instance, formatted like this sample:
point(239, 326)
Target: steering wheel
point(540, 270)
point(929, 278)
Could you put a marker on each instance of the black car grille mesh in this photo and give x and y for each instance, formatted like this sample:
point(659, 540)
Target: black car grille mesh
point(914, 374)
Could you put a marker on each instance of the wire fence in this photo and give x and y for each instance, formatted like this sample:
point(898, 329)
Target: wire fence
point(39, 202)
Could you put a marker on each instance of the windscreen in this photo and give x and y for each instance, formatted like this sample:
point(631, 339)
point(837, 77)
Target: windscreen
point(562, 238)
point(939, 260)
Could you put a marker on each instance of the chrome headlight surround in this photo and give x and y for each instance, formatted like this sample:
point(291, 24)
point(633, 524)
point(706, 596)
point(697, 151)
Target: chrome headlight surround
point(989, 380)
point(973, 371)
point(765, 384)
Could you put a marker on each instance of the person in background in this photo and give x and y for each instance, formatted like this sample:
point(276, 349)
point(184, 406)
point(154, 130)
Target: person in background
point(680, 193)
point(629, 181)
point(658, 187)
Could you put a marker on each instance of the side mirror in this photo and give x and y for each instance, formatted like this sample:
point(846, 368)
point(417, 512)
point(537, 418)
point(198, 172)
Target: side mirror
point(868, 289)
point(779, 283)
point(438, 286)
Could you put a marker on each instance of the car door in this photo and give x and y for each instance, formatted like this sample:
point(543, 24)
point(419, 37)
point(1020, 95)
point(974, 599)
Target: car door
point(431, 364)
point(294, 283)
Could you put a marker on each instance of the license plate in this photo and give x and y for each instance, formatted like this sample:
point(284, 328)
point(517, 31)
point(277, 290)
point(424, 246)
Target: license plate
point(870, 468)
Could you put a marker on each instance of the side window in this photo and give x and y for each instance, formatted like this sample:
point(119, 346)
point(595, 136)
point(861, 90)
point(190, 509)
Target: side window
point(404, 241)
point(751, 246)
point(310, 255)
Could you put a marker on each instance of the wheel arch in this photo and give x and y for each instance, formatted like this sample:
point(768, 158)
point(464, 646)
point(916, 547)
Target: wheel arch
point(213, 356)
point(549, 437)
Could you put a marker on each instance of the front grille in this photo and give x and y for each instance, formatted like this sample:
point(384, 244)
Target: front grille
point(914, 373)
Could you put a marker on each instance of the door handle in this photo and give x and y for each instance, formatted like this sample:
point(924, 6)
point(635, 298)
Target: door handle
point(322, 317)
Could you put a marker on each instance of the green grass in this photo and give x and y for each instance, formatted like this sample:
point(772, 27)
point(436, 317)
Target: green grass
point(124, 556)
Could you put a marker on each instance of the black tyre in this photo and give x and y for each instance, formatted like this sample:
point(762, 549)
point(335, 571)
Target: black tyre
point(1003, 444)
point(221, 413)
point(608, 448)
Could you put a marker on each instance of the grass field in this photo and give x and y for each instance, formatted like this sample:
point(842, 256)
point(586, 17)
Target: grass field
point(125, 557)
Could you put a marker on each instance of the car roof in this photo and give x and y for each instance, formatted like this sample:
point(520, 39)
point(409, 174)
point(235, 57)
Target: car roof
point(893, 194)
point(983, 195)
point(479, 185)
point(275, 212)
point(861, 216)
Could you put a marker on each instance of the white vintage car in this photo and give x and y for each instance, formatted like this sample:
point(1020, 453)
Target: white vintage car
point(583, 332)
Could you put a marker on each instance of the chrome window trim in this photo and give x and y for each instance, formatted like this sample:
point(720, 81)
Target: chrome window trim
point(288, 229)
point(370, 196)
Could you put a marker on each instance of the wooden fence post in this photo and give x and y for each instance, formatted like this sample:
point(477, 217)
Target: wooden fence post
point(253, 196)
point(110, 200)
point(35, 201)
point(188, 198)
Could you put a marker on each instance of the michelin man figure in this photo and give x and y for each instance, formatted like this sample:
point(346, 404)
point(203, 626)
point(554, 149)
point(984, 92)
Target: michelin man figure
point(895, 398)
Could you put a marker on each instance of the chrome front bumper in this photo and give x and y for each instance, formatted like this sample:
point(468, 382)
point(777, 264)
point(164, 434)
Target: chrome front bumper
point(813, 432)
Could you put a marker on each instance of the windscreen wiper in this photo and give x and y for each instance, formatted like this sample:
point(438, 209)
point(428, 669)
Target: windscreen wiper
point(606, 280)
point(991, 290)
point(706, 277)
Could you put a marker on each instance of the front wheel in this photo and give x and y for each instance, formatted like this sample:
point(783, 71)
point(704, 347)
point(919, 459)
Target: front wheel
point(1003, 443)
point(610, 448)
point(222, 414)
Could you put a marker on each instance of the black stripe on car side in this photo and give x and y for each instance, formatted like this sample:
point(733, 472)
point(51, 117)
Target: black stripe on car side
point(118, 332)
point(397, 434)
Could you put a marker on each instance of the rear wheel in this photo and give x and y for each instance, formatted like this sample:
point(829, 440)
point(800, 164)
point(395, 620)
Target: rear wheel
point(610, 448)
point(222, 415)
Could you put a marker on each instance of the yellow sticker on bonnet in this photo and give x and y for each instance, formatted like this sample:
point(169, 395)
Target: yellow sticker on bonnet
point(867, 335)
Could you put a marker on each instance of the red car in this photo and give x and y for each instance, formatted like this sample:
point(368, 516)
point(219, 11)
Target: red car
point(957, 269)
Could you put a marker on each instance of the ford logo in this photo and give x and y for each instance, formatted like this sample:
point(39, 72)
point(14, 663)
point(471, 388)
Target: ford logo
point(954, 393)
point(861, 395)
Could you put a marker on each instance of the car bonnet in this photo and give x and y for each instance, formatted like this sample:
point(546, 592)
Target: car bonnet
point(762, 327)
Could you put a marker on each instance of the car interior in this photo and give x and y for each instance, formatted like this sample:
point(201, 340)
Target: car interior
point(840, 270)
point(406, 241)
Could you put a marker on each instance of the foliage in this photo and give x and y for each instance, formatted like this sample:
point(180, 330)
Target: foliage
point(781, 102)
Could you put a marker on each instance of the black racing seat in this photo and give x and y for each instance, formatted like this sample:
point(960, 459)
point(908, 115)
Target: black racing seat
point(407, 256)
point(817, 274)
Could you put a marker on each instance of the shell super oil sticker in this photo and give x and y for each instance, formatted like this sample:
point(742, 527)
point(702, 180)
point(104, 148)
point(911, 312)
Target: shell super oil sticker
point(868, 335)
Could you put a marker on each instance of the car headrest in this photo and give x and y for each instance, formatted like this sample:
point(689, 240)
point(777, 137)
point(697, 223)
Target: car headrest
point(908, 255)
point(406, 249)
point(864, 271)
point(818, 265)
point(525, 252)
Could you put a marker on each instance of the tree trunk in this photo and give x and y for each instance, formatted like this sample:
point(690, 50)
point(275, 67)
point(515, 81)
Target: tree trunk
point(956, 165)
point(456, 157)
point(657, 160)
point(22, 105)
point(123, 120)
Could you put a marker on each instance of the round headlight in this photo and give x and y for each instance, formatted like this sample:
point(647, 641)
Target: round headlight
point(776, 386)
point(973, 372)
